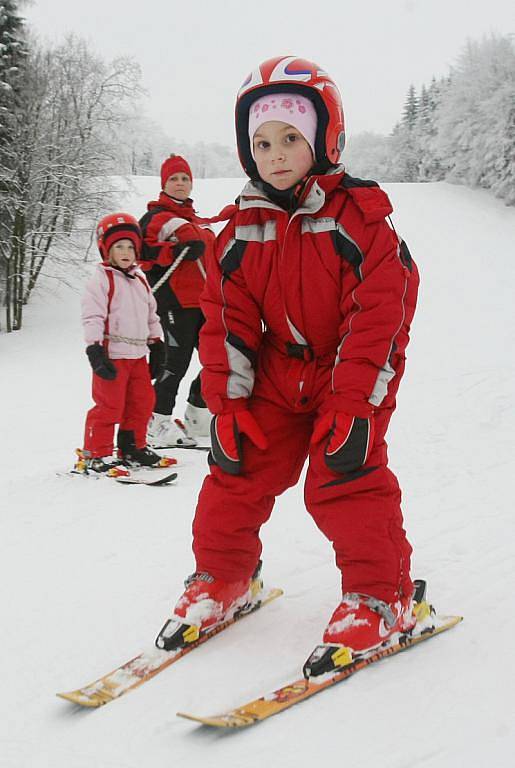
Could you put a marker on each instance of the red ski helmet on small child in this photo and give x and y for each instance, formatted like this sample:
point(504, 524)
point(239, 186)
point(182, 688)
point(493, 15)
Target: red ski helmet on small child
point(118, 226)
point(288, 74)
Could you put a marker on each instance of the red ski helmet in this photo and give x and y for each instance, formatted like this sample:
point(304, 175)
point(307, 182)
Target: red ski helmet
point(118, 226)
point(288, 74)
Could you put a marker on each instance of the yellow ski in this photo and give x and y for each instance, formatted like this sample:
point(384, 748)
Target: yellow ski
point(149, 663)
point(260, 709)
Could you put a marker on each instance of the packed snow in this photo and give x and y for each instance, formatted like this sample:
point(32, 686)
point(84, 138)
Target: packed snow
point(90, 570)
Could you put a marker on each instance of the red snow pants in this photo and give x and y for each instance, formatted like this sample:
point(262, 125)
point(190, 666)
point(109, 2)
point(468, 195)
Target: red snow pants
point(359, 514)
point(127, 400)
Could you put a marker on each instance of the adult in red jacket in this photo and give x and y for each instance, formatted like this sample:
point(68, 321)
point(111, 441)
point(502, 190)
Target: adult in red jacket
point(308, 306)
point(176, 243)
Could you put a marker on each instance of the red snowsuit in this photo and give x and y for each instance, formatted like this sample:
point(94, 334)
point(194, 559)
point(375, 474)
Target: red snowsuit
point(119, 311)
point(305, 313)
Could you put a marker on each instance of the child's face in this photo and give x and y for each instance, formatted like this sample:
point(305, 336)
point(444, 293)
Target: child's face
point(122, 254)
point(178, 186)
point(282, 154)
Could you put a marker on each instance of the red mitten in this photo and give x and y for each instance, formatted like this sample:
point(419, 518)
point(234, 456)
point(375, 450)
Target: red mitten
point(349, 440)
point(226, 432)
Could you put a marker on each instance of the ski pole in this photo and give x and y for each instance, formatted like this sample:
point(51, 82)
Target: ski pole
point(170, 270)
point(202, 270)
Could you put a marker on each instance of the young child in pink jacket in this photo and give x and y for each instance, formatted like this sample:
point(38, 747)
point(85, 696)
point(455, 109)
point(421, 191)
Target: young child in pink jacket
point(120, 325)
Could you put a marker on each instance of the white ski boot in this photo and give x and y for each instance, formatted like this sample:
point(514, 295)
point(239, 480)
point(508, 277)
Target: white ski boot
point(198, 421)
point(163, 432)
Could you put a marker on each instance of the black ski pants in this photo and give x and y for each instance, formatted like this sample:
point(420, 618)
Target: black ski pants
point(181, 333)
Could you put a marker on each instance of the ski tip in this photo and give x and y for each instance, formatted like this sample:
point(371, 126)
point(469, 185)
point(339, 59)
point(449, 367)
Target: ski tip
point(186, 716)
point(219, 721)
point(81, 700)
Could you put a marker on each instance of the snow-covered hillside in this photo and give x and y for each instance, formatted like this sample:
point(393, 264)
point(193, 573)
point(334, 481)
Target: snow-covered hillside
point(89, 569)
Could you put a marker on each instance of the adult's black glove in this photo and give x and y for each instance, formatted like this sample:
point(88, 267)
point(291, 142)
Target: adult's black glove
point(100, 363)
point(157, 357)
point(195, 248)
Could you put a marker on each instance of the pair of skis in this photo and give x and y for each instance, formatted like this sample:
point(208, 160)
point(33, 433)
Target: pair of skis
point(149, 663)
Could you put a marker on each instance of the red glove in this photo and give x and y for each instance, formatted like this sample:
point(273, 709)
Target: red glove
point(226, 432)
point(350, 440)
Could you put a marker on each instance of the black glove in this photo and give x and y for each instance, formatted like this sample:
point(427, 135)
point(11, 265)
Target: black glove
point(100, 363)
point(157, 358)
point(195, 248)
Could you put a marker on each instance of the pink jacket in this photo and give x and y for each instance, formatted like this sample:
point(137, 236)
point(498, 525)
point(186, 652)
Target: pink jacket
point(120, 309)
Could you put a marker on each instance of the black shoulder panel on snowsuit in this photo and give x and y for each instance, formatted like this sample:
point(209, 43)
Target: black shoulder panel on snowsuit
point(372, 201)
point(348, 250)
point(148, 216)
point(233, 257)
point(349, 182)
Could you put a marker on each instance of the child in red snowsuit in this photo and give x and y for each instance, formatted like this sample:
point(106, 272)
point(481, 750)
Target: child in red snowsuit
point(120, 323)
point(176, 239)
point(308, 306)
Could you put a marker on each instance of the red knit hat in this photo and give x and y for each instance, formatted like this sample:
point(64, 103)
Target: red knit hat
point(174, 164)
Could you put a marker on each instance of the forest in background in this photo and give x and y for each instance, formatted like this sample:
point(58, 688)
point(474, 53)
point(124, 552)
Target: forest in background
point(70, 121)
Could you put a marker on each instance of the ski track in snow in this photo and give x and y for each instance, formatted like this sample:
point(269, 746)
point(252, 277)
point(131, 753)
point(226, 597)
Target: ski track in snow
point(89, 570)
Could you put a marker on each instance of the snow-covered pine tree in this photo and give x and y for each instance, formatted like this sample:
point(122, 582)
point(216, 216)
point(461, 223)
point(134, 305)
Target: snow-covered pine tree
point(404, 142)
point(13, 55)
point(13, 52)
point(411, 109)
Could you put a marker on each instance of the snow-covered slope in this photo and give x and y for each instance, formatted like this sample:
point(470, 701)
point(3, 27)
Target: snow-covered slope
point(89, 569)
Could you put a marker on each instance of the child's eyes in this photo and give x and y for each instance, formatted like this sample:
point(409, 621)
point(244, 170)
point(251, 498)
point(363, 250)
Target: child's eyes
point(291, 137)
point(262, 145)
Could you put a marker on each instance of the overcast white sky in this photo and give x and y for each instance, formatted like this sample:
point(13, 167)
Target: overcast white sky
point(194, 55)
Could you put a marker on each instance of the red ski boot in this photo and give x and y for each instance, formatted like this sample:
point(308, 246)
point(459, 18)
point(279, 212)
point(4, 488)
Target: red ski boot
point(360, 625)
point(206, 603)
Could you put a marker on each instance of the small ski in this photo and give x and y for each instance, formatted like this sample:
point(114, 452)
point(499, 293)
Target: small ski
point(144, 476)
point(147, 479)
point(149, 663)
point(294, 692)
point(186, 448)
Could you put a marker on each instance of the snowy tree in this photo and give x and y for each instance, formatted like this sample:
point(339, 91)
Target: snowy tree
point(504, 182)
point(432, 167)
point(405, 155)
point(462, 127)
point(141, 145)
point(57, 160)
point(475, 117)
point(367, 155)
point(13, 52)
point(411, 109)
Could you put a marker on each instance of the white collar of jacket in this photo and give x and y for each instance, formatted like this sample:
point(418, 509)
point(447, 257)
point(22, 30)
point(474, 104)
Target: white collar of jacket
point(252, 197)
